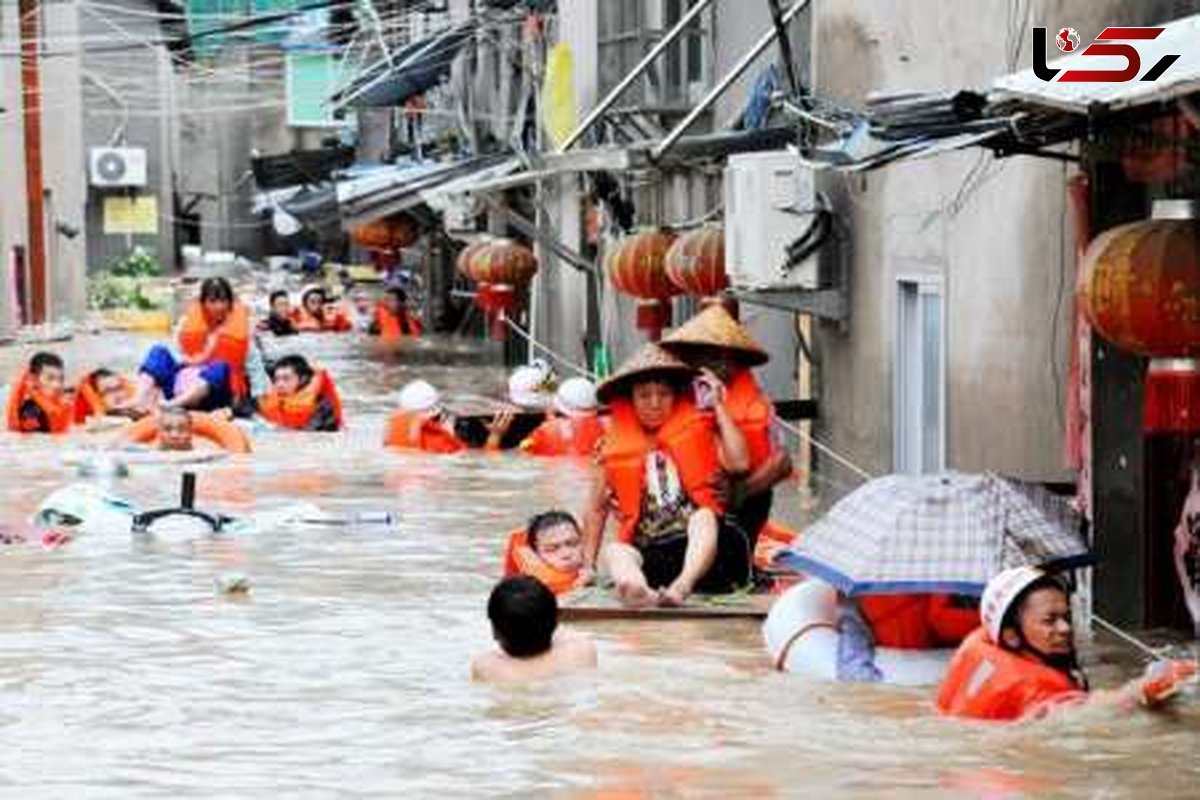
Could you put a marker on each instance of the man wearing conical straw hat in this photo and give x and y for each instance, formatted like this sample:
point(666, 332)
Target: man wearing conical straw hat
point(664, 465)
point(714, 340)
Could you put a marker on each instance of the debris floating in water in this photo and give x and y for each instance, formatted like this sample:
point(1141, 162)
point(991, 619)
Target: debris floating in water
point(233, 583)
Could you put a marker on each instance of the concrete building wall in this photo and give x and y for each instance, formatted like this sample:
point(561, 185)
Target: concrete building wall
point(995, 233)
point(127, 97)
point(63, 172)
point(12, 167)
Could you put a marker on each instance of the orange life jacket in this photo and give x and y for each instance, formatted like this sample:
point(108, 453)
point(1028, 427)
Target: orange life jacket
point(296, 412)
point(752, 412)
point(917, 621)
point(58, 410)
point(233, 341)
point(414, 431)
point(521, 559)
point(566, 436)
point(688, 437)
point(392, 326)
point(221, 432)
point(985, 681)
point(90, 403)
point(333, 320)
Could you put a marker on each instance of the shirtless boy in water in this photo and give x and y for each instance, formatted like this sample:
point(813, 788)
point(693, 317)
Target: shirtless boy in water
point(524, 616)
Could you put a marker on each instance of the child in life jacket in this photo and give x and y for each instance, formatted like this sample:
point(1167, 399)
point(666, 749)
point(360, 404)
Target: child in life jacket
point(38, 402)
point(524, 617)
point(550, 548)
point(1021, 664)
point(279, 318)
point(301, 398)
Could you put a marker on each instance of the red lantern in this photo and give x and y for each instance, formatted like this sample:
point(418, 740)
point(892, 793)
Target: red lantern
point(389, 233)
point(636, 265)
point(503, 261)
point(1140, 289)
point(463, 262)
point(696, 262)
point(498, 267)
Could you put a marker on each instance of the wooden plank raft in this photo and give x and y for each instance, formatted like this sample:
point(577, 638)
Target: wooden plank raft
point(594, 604)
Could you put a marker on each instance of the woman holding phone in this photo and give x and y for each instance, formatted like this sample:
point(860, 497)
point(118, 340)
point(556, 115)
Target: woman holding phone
point(665, 466)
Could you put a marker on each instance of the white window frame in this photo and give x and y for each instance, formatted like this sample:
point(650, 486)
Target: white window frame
point(902, 459)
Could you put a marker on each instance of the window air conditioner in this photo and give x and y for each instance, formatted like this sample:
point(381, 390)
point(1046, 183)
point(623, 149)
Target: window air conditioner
point(769, 198)
point(117, 167)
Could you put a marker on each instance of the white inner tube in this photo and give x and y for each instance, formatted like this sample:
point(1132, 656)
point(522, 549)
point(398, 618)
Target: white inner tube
point(802, 637)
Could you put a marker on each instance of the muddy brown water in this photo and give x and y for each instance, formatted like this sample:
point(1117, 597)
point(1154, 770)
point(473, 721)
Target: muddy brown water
point(344, 672)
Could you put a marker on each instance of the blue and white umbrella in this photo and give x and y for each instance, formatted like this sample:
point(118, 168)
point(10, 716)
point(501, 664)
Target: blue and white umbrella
point(937, 533)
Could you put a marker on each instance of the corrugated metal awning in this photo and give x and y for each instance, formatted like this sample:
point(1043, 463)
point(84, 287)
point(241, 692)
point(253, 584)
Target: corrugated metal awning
point(1182, 77)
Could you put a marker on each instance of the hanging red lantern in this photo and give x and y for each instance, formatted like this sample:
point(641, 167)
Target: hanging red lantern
point(1141, 287)
point(388, 233)
point(695, 262)
point(1141, 291)
point(498, 267)
point(503, 261)
point(463, 262)
point(636, 265)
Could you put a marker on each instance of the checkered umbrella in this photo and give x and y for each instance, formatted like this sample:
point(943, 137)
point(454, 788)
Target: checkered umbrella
point(937, 533)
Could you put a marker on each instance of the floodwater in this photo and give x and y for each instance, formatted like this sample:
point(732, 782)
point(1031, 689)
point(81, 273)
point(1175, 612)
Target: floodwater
point(123, 673)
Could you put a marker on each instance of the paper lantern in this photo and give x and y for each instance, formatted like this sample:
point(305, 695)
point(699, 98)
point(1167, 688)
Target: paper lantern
point(1141, 287)
point(389, 233)
point(502, 261)
point(695, 262)
point(636, 266)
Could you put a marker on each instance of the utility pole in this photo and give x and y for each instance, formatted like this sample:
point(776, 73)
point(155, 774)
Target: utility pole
point(31, 94)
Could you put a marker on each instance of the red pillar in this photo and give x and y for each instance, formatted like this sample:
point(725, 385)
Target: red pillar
point(31, 94)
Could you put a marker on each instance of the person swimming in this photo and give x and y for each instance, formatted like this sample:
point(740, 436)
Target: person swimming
point(279, 318)
point(524, 617)
point(175, 429)
point(1022, 664)
point(38, 401)
point(549, 548)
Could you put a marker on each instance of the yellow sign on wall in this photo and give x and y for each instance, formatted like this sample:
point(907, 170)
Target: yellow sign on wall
point(131, 215)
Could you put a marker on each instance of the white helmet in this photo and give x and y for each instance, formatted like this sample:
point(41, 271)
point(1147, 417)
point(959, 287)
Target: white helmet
point(575, 396)
point(525, 385)
point(417, 396)
point(1001, 592)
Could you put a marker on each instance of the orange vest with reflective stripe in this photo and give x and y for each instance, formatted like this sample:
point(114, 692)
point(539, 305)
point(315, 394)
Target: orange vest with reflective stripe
point(566, 436)
point(333, 320)
point(296, 412)
point(521, 559)
point(752, 412)
point(58, 410)
point(689, 438)
point(89, 403)
point(233, 341)
point(392, 327)
point(985, 681)
point(414, 431)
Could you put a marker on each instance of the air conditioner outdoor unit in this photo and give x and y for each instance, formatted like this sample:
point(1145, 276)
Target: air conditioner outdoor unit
point(768, 200)
point(117, 167)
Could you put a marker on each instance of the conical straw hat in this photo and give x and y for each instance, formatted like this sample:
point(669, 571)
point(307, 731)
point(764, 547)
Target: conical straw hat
point(650, 359)
point(715, 327)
